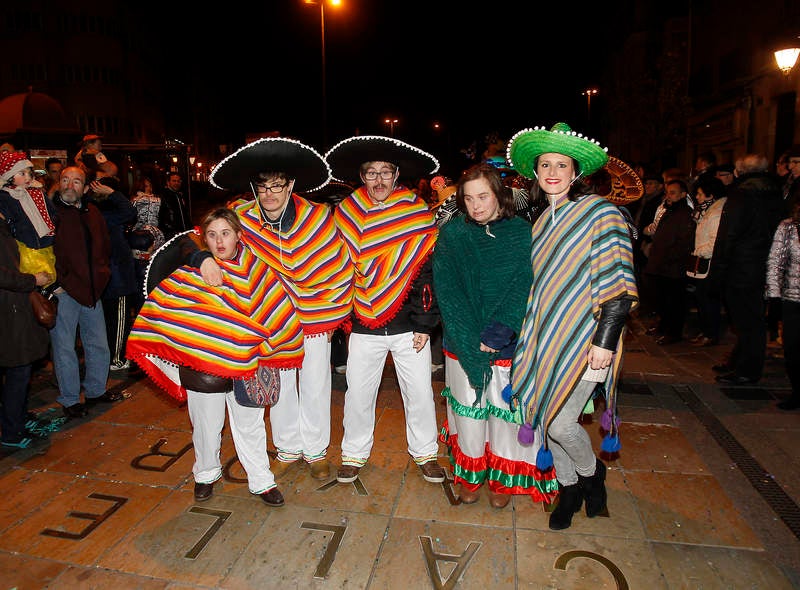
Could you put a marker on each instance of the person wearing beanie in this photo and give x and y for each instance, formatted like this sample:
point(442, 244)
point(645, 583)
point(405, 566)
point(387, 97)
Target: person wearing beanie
point(571, 338)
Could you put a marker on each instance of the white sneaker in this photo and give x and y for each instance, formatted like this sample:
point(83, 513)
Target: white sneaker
point(120, 365)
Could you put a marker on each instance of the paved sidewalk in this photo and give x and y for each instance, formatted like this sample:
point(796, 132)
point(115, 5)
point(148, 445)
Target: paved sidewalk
point(704, 495)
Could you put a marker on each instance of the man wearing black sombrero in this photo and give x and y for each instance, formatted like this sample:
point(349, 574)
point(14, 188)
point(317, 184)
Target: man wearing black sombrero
point(299, 240)
point(389, 233)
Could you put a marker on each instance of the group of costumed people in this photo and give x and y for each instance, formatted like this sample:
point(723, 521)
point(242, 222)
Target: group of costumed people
point(532, 316)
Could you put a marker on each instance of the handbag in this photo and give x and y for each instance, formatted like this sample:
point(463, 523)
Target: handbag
point(259, 391)
point(697, 268)
point(44, 308)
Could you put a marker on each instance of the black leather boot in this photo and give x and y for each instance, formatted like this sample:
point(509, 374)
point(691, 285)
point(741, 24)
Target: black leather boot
point(594, 490)
point(569, 502)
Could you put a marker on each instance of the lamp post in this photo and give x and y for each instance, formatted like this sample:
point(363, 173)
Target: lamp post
point(589, 93)
point(322, 46)
point(391, 123)
point(786, 59)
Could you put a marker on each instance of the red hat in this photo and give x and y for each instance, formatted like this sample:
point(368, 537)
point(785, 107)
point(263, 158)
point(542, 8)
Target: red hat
point(11, 163)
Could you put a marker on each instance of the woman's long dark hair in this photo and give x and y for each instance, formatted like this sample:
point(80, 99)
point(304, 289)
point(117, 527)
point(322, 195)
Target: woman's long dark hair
point(577, 189)
point(505, 196)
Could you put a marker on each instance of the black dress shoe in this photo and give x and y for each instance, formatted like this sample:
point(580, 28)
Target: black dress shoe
point(273, 498)
point(203, 491)
point(109, 397)
point(75, 411)
point(722, 368)
point(792, 403)
point(734, 379)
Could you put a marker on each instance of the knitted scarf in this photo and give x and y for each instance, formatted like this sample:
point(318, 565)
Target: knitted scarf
point(479, 278)
point(310, 260)
point(31, 200)
point(388, 242)
point(226, 331)
point(581, 259)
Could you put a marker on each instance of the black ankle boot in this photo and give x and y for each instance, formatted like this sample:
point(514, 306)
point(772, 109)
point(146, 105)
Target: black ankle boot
point(569, 502)
point(594, 490)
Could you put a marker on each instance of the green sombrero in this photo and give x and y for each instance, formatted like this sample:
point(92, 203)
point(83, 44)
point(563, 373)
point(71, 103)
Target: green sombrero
point(529, 144)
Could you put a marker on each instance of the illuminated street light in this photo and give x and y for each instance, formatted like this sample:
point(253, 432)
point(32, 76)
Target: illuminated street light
point(391, 123)
point(322, 45)
point(589, 93)
point(786, 58)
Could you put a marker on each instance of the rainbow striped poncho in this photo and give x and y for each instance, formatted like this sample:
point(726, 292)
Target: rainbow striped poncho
point(226, 331)
point(581, 258)
point(388, 242)
point(310, 260)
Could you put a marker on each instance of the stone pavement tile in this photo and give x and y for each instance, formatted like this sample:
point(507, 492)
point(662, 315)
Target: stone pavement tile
point(421, 554)
point(623, 521)
point(188, 542)
point(657, 447)
point(97, 513)
point(553, 560)
point(25, 491)
point(102, 449)
point(310, 548)
point(148, 406)
point(717, 568)
point(22, 572)
point(374, 492)
point(679, 508)
point(102, 579)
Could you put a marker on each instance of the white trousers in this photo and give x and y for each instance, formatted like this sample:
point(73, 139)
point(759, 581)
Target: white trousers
point(301, 420)
point(365, 361)
point(207, 413)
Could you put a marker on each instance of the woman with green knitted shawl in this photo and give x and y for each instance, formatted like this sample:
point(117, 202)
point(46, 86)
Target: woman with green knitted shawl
point(482, 276)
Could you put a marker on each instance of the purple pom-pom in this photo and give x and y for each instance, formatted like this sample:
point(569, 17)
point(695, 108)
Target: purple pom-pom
point(544, 459)
point(525, 434)
point(507, 393)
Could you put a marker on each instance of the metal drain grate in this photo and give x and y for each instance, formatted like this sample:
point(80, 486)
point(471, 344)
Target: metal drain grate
point(778, 500)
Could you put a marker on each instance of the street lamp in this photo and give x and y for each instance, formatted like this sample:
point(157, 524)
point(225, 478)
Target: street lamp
point(786, 58)
point(391, 123)
point(322, 46)
point(589, 93)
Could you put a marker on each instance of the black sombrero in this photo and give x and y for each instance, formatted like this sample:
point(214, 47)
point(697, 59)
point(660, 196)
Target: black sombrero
point(346, 157)
point(274, 154)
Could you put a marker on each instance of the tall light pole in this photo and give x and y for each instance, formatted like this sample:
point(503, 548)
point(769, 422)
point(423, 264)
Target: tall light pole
point(589, 93)
point(391, 123)
point(324, 84)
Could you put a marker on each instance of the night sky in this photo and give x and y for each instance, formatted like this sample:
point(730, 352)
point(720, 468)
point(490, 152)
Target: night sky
point(501, 66)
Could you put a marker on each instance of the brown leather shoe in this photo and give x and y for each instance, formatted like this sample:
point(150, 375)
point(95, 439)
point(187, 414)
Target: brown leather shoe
point(347, 473)
point(499, 500)
point(320, 469)
point(467, 496)
point(432, 472)
point(203, 491)
point(273, 498)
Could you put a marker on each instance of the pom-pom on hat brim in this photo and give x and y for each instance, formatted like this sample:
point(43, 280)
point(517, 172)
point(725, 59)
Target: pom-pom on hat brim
point(347, 156)
point(272, 154)
point(527, 145)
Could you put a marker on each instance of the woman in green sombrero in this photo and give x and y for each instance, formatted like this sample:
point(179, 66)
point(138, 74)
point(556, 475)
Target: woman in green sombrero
point(571, 338)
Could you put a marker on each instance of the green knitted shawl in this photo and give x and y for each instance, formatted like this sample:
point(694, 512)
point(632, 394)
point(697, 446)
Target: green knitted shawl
point(478, 279)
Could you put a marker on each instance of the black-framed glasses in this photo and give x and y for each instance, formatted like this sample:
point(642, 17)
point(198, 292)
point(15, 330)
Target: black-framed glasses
point(372, 174)
point(273, 188)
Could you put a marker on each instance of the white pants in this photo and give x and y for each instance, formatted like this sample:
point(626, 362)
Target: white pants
point(365, 361)
point(207, 413)
point(301, 420)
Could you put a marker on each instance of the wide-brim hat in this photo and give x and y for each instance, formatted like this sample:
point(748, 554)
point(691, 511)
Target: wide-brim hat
point(347, 156)
point(274, 154)
point(527, 145)
point(624, 185)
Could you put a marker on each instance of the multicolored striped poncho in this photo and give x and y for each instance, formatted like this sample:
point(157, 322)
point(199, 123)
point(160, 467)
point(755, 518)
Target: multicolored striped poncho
point(310, 259)
point(388, 242)
point(581, 258)
point(226, 331)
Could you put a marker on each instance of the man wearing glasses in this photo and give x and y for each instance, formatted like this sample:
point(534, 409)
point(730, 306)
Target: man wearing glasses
point(389, 233)
point(299, 240)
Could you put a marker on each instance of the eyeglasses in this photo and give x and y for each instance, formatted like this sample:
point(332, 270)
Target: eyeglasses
point(273, 188)
point(372, 174)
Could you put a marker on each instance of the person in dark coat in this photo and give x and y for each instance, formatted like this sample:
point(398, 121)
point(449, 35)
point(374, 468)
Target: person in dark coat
point(672, 244)
point(173, 216)
point(24, 341)
point(750, 217)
